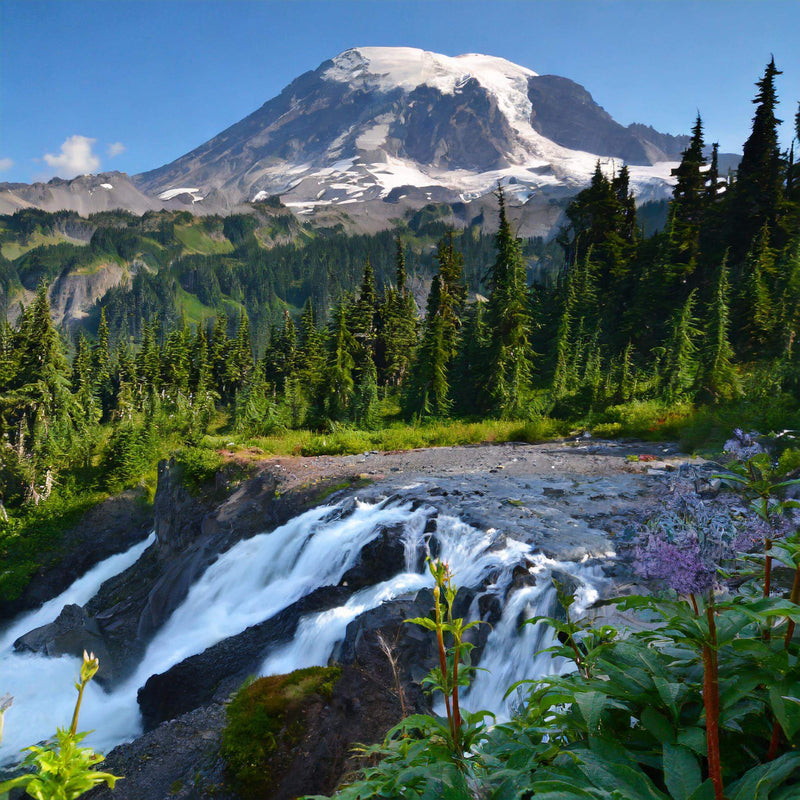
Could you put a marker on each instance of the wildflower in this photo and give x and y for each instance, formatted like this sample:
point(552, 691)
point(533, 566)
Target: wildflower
point(743, 445)
point(684, 542)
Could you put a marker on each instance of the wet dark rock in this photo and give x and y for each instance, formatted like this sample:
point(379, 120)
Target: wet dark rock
point(110, 527)
point(708, 488)
point(221, 668)
point(490, 608)
point(380, 559)
point(72, 632)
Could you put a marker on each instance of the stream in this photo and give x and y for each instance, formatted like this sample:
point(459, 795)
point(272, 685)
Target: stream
point(259, 577)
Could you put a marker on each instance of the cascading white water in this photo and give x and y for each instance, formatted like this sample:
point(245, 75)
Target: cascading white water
point(513, 653)
point(257, 579)
point(42, 687)
point(79, 593)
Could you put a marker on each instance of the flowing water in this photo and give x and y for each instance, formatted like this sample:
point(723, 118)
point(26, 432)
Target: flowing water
point(260, 577)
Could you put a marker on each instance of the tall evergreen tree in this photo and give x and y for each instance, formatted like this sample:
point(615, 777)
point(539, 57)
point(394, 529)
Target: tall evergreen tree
point(508, 318)
point(428, 389)
point(757, 194)
point(338, 387)
point(717, 378)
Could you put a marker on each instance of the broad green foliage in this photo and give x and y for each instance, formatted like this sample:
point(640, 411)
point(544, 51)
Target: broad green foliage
point(60, 769)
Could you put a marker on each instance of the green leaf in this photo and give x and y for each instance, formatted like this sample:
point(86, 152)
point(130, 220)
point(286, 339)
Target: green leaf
point(670, 694)
point(758, 782)
point(787, 713)
point(658, 726)
point(704, 791)
point(694, 739)
point(681, 771)
point(591, 705)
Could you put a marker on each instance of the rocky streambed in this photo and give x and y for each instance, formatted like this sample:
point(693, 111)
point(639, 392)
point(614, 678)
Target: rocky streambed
point(510, 514)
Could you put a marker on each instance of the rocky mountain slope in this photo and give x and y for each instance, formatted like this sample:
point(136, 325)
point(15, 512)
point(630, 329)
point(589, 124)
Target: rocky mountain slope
point(378, 131)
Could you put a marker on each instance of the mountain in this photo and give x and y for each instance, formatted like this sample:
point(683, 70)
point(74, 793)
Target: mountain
point(379, 131)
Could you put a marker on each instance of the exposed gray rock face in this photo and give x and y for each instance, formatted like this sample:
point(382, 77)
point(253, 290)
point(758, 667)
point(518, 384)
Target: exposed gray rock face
point(72, 633)
point(221, 669)
point(566, 113)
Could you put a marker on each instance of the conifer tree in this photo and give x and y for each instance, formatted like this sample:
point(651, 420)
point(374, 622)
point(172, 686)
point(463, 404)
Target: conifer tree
point(254, 411)
point(717, 378)
point(756, 196)
point(428, 390)
point(83, 385)
point(689, 201)
point(756, 301)
point(509, 323)
point(362, 315)
point(469, 369)
point(240, 355)
point(398, 325)
point(311, 351)
point(680, 351)
point(220, 346)
point(338, 386)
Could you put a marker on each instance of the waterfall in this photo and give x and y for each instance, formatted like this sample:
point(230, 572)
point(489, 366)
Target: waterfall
point(259, 577)
point(79, 593)
point(513, 652)
point(43, 687)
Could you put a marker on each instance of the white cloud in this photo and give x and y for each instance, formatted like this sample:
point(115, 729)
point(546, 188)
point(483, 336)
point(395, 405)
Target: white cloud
point(6, 164)
point(76, 157)
point(115, 149)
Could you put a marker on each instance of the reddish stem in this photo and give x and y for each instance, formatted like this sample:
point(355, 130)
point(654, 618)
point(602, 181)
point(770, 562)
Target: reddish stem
point(777, 731)
point(774, 742)
point(456, 710)
point(767, 567)
point(711, 703)
point(795, 598)
point(443, 667)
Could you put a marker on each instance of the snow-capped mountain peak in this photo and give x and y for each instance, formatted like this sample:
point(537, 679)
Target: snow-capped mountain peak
point(406, 68)
point(378, 131)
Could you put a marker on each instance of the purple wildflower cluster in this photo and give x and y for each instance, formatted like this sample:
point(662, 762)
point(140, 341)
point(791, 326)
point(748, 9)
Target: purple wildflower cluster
point(743, 445)
point(755, 529)
point(684, 542)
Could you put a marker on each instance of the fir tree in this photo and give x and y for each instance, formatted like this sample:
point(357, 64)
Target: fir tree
point(398, 336)
point(338, 386)
point(428, 390)
point(680, 351)
point(509, 323)
point(717, 378)
point(757, 194)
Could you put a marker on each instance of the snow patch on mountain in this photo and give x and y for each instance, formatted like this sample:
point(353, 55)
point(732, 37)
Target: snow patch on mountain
point(170, 194)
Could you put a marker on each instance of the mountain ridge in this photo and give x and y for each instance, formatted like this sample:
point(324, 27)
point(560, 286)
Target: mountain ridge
point(376, 133)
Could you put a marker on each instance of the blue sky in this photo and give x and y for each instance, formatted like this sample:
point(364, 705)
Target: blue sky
point(131, 85)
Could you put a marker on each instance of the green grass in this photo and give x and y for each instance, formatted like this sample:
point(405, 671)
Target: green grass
point(196, 240)
point(265, 725)
point(13, 250)
point(194, 310)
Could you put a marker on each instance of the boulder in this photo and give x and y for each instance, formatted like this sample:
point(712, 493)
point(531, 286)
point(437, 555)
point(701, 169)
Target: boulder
point(221, 668)
point(71, 633)
point(379, 560)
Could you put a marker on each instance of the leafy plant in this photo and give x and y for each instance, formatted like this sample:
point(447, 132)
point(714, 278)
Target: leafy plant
point(61, 769)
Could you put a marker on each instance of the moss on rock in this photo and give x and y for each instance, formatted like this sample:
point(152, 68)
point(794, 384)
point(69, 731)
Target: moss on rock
point(266, 722)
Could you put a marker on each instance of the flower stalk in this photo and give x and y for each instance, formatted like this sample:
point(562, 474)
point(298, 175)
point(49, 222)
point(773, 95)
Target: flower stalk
point(711, 702)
